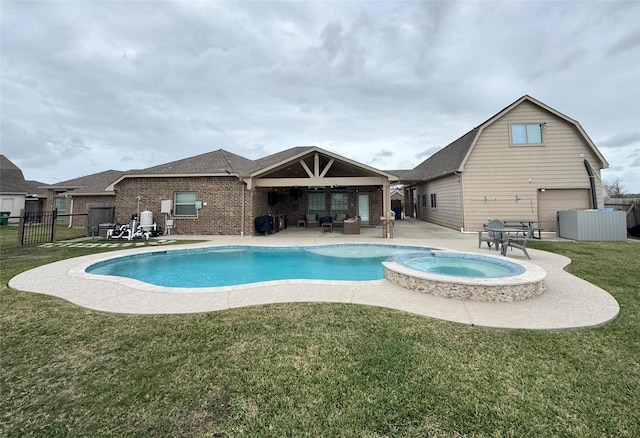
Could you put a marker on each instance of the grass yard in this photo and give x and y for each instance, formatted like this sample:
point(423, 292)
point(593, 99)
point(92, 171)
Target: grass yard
point(315, 369)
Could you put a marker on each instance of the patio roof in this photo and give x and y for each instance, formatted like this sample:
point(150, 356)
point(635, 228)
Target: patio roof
point(313, 166)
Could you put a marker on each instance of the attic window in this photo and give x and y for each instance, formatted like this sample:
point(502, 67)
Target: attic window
point(526, 133)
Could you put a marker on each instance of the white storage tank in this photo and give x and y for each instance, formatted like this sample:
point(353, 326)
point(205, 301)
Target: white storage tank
point(146, 220)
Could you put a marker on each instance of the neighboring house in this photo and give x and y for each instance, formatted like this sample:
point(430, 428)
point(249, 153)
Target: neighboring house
point(222, 193)
point(75, 197)
point(397, 202)
point(528, 161)
point(16, 193)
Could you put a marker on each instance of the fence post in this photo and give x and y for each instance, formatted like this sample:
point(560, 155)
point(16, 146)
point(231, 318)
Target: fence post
point(21, 228)
point(53, 224)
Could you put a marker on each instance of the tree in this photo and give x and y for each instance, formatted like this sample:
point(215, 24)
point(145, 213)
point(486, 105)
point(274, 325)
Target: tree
point(615, 188)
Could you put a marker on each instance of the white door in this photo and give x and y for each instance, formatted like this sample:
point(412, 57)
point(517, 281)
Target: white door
point(363, 207)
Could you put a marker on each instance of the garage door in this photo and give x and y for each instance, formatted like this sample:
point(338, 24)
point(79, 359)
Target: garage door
point(552, 201)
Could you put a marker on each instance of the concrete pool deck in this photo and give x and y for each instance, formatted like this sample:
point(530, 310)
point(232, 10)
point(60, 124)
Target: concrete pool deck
point(568, 303)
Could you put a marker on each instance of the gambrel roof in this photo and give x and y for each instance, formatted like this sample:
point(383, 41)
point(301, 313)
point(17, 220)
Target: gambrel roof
point(452, 157)
point(11, 177)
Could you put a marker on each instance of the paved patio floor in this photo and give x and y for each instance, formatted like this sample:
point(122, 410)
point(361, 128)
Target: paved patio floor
point(569, 302)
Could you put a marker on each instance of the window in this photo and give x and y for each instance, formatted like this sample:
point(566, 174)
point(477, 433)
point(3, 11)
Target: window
point(316, 203)
point(529, 133)
point(424, 200)
point(433, 200)
point(339, 203)
point(185, 204)
point(60, 204)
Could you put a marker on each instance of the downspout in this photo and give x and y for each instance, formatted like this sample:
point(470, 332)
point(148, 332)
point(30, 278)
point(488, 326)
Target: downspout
point(71, 214)
point(592, 183)
point(459, 174)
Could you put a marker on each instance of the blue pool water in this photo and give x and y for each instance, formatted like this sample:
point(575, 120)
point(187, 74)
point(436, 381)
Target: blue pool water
point(460, 265)
point(233, 265)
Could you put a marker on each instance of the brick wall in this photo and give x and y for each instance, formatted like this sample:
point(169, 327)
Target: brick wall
point(221, 216)
point(223, 195)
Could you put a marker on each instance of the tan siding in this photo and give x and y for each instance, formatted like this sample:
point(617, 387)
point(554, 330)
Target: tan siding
point(448, 211)
point(552, 201)
point(501, 180)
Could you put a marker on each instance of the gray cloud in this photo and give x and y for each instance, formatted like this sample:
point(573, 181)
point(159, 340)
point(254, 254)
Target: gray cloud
point(99, 85)
point(621, 139)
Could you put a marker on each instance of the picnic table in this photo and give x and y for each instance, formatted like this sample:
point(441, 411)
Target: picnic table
point(523, 225)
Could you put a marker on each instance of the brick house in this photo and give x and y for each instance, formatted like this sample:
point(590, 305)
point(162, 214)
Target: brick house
point(221, 193)
point(74, 197)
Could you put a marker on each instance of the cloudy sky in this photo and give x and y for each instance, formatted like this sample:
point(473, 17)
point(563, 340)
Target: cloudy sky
point(88, 86)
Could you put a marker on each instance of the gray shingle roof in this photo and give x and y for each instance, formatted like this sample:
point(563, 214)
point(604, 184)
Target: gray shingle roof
point(218, 161)
point(89, 184)
point(447, 159)
point(278, 157)
point(37, 188)
point(11, 177)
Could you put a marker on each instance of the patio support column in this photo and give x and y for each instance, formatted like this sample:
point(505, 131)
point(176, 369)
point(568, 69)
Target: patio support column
point(242, 208)
point(386, 206)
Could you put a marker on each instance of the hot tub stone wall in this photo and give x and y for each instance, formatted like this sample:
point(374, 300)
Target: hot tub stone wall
point(469, 292)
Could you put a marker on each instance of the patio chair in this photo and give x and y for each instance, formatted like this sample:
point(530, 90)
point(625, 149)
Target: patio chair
point(351, 226)
point(515, 241)
point(339, 219)
point(492, 237)
point(312, 220)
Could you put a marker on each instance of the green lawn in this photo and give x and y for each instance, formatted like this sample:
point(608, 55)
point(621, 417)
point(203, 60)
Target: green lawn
point(315, 369)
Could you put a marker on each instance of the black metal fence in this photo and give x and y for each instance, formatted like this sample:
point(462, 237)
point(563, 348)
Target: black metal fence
point(37, 227)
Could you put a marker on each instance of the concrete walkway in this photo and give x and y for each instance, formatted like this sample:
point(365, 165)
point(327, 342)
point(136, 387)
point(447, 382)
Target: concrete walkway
point(568, 303)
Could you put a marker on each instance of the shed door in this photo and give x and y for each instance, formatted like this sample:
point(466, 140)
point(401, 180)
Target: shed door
point(552, 201)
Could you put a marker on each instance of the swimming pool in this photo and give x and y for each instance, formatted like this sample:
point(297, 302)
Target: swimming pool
point(236, 265)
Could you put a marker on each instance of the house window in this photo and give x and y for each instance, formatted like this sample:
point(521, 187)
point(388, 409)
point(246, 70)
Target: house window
point(316, 203)
point(339, 203)
point(433, 200)
point(185, 204)
point(60, 204)
point(526, 133)
point(424, 200)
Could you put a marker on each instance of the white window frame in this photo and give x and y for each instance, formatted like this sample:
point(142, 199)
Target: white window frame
point(184, 204)
point(528, 130)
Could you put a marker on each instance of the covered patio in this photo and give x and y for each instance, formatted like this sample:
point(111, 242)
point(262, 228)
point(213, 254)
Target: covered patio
point(321, 184)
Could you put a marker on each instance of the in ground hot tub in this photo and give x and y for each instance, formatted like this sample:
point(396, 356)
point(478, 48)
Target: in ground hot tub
point(465, 276)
